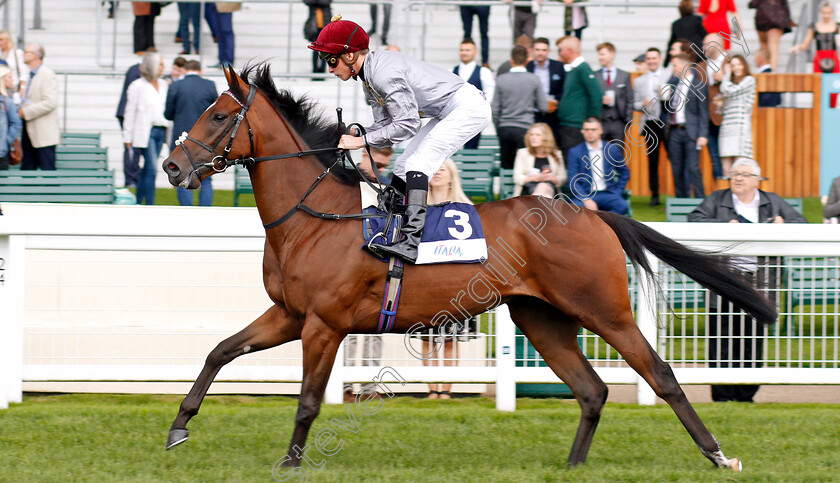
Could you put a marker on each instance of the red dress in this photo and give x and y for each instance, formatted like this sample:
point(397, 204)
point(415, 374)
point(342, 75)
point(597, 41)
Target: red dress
point(717, 22)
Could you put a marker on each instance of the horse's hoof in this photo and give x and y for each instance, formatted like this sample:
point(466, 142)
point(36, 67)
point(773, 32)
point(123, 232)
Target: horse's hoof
point(176, 437)
point(735, 464)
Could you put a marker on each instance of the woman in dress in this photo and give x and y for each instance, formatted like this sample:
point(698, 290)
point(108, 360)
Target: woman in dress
point(772, 20)
point(144, 126)
point(445, 186)
point(538, 168)
point(10, 123)
point(824, 31)
point(13, 57)
point(715, 18)
point(737, 90)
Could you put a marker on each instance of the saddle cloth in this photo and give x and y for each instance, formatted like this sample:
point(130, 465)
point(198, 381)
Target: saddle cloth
point(452, 234)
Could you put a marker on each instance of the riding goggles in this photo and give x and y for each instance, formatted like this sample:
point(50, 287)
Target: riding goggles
point(329, 58)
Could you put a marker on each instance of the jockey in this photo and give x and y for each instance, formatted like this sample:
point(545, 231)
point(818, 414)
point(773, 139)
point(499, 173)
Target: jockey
point(401, 89)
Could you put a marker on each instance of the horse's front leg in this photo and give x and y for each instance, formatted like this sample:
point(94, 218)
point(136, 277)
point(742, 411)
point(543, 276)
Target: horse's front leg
point(320, 344)
point(271, 329)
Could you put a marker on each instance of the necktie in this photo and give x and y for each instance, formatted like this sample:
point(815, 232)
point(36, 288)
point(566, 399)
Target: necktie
point(609, 77)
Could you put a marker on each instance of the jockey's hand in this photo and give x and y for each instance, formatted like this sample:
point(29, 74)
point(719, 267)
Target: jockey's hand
point(351, 142)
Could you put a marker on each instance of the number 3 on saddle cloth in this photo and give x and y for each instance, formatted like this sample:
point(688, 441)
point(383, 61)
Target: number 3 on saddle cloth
point(452, 234)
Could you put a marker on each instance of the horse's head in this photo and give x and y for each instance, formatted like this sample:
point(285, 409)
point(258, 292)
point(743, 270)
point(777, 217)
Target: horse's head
point(220, 136)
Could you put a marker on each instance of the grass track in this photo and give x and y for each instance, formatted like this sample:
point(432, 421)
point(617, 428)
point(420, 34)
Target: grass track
point(238, 438)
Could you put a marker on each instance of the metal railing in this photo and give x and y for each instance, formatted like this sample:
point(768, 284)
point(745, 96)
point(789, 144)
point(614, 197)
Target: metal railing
point(87, 294)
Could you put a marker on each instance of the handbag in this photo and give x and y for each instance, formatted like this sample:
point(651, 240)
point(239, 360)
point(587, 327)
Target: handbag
point(228, 7)
point(15, 153)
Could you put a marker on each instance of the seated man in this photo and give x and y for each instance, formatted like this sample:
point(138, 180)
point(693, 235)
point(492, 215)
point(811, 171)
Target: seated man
point(597, 179)
point(736, 340)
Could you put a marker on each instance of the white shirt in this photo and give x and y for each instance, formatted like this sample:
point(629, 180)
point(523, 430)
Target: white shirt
point(682, 93)
point(750, 212)
point(596, 157)
point(544, 75)
point(573, 64)
point(710, 71)
point(609, 74)
point(488, 81)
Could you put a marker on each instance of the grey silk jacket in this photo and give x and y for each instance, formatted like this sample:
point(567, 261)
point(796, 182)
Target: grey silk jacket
point(401, 89)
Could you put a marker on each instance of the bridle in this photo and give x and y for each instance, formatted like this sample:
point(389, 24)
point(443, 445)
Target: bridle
point(220, 162)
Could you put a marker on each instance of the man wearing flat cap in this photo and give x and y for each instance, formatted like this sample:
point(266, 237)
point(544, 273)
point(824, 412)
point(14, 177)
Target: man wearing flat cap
point(401, 90)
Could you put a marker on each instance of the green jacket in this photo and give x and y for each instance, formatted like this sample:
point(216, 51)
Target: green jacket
point(582, 97)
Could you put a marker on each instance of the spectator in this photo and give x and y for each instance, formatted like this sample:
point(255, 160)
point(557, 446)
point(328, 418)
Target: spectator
point(14, 58)
point(646, 99)
point(386, 20)
point(481, 77)
point(518, 94)
point(539, 168)
point(598, 172)
point(524, 41)
point(145, 126)
point(688, 125)
point(10, 123)
point(525, 18)
point(575, 19)
point(737, 340)
point(714, 57)
point(772, 20)
point(825, 32)
point(715, 19)
point(222, 14)
point(320, 13)
point(762, 64)
point(178, 70)
point(190, 13)
point(483, 13)
point(551, 74)
point(832, 203)
point(445, 186)
point(737, 90)
point(582, 95)
point(688, 27)
point(186, 101)
point(39, 111)
point(617, 101)
point(381, 159)
point(641, 66)
point(131, 157)
point(144, 25)
point(677, 47)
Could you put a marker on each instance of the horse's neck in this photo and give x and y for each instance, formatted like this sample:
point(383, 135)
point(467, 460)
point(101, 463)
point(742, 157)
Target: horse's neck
point(279, 185)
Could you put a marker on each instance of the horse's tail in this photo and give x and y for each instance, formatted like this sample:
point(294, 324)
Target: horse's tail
point(710, 271)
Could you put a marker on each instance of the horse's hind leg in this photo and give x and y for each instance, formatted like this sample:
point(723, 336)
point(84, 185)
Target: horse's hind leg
point(271, 329)
point(625, 337)
point(555, 337)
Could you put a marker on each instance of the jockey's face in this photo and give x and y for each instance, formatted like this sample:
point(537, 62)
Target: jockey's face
point(341, 69)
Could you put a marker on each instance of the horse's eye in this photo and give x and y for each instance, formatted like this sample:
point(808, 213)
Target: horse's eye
point(218, 117)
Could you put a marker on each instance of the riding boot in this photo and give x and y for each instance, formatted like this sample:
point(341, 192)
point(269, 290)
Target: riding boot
point(415, 219)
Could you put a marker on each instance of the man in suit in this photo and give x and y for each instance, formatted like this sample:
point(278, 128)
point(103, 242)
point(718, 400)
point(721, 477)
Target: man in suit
point(481, 77)
point(762, 62)
point(646, 99)
point(552, 75)
point(598, 172)
point(186, 101)
point(39, 111)
point(617, 101)
point(688, 125)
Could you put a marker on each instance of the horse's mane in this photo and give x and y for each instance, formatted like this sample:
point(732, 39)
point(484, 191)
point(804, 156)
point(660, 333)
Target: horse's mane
point(302, 114)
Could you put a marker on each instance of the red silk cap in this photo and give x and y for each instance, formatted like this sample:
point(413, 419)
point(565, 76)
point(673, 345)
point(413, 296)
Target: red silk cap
point(341, 36)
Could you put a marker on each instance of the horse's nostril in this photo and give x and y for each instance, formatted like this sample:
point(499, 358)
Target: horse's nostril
point(173, 167)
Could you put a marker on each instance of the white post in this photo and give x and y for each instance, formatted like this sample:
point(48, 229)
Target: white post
point(334, 393)
point(12, 287)
point(646, 319)
point(505, 360)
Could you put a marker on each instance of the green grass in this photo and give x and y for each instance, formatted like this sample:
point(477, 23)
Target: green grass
point(238, 438)
point(812, 209)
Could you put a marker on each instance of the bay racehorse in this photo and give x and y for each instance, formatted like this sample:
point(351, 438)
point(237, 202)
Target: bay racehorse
point(558, 267)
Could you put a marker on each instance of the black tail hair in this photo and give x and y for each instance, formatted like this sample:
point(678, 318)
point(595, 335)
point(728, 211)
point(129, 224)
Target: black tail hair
point(709, 270)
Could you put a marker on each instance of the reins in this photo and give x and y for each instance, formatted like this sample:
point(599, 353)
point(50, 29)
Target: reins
point(220, 163)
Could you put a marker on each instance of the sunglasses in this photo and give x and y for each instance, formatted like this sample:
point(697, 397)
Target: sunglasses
point(330, 59)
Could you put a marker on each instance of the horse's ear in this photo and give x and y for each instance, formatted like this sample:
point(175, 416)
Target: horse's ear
point(230, 75)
